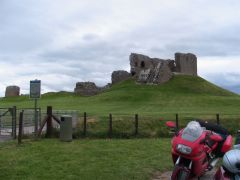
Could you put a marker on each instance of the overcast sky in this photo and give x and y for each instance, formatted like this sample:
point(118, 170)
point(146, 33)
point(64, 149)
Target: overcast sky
point(62, 42)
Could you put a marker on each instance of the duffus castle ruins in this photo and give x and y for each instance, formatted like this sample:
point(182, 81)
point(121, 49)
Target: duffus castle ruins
point(142, 68)
point(146, 70)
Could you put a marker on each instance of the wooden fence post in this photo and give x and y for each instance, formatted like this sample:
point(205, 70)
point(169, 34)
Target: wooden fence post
point(177, 122)
point(14, 122)
point(218, 119)
point(110, 125)
point(20, 128)
point(40, 116)
point(84, 123)
point(136, 124)
point(49, 122)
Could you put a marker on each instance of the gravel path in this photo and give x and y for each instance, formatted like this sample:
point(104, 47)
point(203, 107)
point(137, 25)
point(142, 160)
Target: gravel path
point(167, 175)
point(5, 138)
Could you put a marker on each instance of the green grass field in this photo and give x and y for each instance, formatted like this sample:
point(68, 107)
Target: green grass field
point(190, 97)
point(182, 94)
point(85, 159)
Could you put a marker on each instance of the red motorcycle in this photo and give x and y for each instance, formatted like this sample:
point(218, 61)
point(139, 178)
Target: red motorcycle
point(230, 169)
point(194, 150)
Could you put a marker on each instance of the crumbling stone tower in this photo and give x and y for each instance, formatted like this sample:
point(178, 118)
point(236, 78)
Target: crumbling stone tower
point(12, 91)
point(186, 63)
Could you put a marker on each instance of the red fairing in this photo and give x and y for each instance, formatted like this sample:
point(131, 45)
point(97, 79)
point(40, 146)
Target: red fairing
point(193, 154)
point(198, 154)
point(227, 145)
point(171, 124)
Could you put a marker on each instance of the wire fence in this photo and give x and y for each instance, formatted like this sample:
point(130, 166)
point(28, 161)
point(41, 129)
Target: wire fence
point(138, 125)
point(5, 121)
point(111, 125)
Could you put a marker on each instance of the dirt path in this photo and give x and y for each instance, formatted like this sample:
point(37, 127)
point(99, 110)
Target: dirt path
point(4, 138)
point(167, 175)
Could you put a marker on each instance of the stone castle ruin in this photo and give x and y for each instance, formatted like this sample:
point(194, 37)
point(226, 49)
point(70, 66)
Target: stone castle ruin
point(150, 70)
point(146, 70)
point(157, 71)
point(86, 88)
point(186, 63)
point(143, 69)
point(89, 88)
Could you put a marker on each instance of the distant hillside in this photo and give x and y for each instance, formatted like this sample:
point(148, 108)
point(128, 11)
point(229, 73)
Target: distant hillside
point(181, 94)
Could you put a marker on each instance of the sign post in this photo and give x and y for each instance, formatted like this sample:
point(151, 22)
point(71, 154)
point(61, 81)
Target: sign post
point(35, 93)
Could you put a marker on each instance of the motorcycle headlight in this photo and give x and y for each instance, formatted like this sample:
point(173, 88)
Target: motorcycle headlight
point(184, 149)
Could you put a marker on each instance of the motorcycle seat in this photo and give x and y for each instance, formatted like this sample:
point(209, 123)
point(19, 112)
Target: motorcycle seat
point(213, 127)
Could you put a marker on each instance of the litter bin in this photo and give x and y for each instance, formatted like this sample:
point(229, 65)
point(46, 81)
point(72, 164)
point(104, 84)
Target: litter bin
point(66, 128)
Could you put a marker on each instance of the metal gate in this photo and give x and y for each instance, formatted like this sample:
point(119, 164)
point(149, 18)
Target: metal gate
point(29, 117)
point(8, 122)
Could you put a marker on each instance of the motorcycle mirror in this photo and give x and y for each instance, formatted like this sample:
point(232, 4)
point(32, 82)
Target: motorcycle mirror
point(216, 137)
point(170, 124)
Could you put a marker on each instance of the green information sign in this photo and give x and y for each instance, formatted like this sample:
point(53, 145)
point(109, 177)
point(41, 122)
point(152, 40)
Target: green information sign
point(35, 89)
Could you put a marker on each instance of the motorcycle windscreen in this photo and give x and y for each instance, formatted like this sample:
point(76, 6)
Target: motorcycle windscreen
point(192, 132)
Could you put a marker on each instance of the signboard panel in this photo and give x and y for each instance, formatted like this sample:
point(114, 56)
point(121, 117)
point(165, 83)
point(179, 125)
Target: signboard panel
point(35, 89)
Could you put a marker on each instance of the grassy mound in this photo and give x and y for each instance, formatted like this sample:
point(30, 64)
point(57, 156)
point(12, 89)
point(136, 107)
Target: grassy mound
point(180, 95)
point(190, 97)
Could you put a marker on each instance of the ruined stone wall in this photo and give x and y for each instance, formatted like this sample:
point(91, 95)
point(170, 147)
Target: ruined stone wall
point(161, 73)
point(86, 88)
point(156, 71)
point(146, 70)
point(118, 76)
point(186, 63)
point(150, 70)
point(171, 64)
point(139, 62)
point(89, 88)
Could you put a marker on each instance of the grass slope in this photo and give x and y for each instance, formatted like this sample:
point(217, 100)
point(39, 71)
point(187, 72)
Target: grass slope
point(85, 159)
point(182, 94)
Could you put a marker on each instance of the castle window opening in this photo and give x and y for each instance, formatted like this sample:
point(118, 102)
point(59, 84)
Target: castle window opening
point(142, 64)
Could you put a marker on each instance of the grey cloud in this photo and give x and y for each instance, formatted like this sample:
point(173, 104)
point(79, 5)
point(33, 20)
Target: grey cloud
point(212, 42)
point(222, 44)
point(91, 51)
point(20, 32)
point(224, 79)
point(90, 37)
point(235, 89)
point(79, 41)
